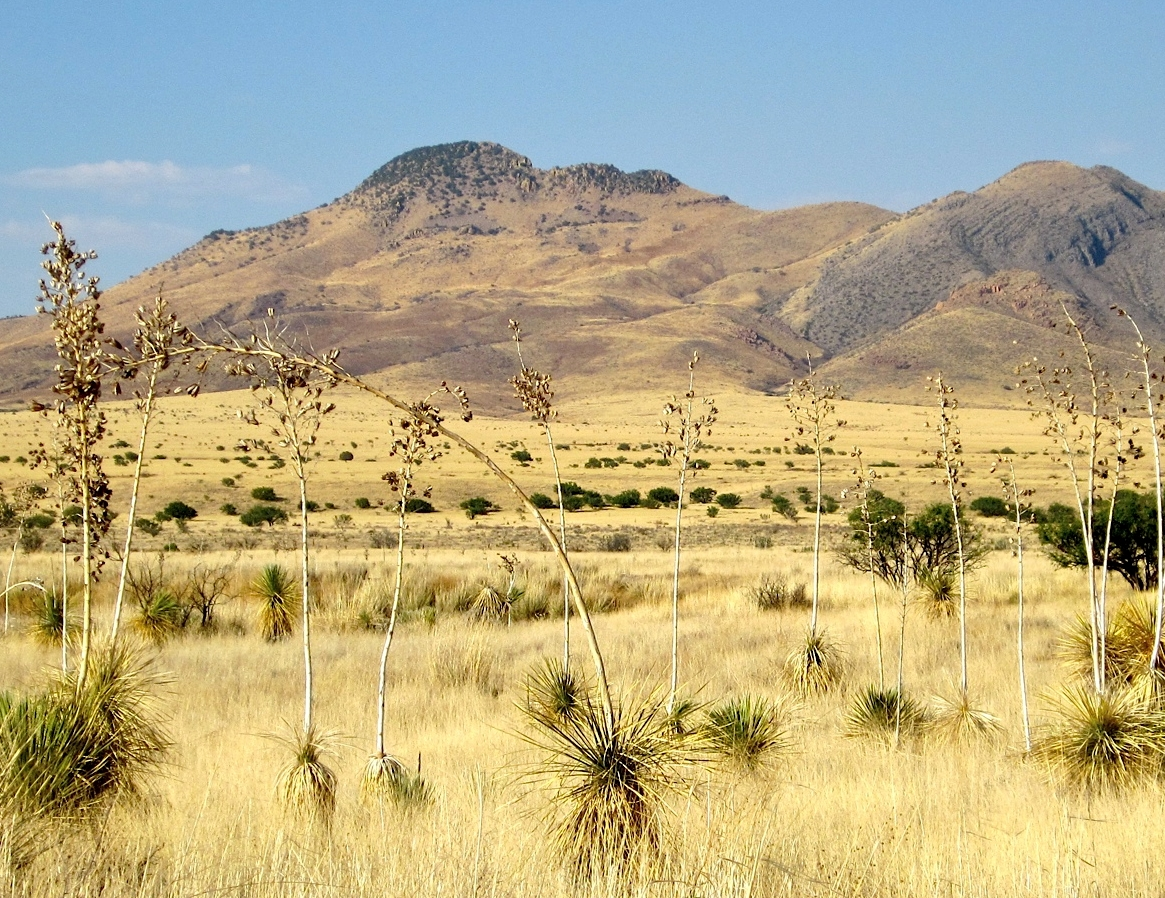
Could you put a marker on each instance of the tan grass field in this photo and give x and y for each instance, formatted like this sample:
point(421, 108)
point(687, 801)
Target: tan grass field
point(832, 816)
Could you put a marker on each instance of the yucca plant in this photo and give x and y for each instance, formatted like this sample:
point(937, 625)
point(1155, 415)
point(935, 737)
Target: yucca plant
point(816, 666)
point(610, 783)
point(1103, 742)
point(884, 715)
point(958, 720)
point(307, 785)
point(49, 625)
point(278, 596)
point(160, 617)
point(746, 732)
point(938, 592)
point(386, 778)
point(82, 742)
point(554, 693)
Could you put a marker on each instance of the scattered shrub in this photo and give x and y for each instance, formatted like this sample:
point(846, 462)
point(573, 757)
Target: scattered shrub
point(702, 495)
point(265, 494)
point(180, 511)
point(346, 456)
point(615, 542)
point(148, 527)
point(664, 495)
point(263, 514)
point(363, 502)
point(775, 591)
point(521, 455)
point(543, 501)
point(783, 506)
point(228, 509)
point(417, 505)
point(728, 500)
point(990, 507)
point(626, 499)
point(478, 505)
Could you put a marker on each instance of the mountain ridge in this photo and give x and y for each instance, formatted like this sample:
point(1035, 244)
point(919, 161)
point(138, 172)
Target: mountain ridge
point(618, 276)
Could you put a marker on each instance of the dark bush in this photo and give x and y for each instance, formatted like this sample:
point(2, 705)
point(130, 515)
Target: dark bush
point(728, 500)
point(228, 508)
point(417, 505)
point(521, 455)
point(265, 494)
point(477, 505)
point(363, 502)
point(145, 525)
point(990, 507)
point(702, 495)
point(543, 501)
point(346, 456)
point(783, 506)
point(664, 495)
point(180, 511)
point(626, 499)
point(39, 521)
point(263, 514)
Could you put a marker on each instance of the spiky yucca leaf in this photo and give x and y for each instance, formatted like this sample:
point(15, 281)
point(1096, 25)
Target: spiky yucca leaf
point(307, 785)
point(957, 720)
point(939, 592)
point(278, 595)
point(48, 617)
point(160, 617)
point(610, 785)
point(495, 604)
point(1075, 650)
point(680, 719)
point(386, 778)
point(74, 747)
point(554, 692)
point(1103, 742)
point(746, 732)
point(816, 666)
point(882, 715)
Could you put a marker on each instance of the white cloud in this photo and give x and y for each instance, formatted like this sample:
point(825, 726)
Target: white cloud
point(103, 233)
point(141, 181)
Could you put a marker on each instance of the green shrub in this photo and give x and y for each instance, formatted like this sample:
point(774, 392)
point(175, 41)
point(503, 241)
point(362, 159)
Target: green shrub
point(362, 502)
point(990, 507)
point(346, 456)
point(265, 494)
point(263, 514)
point(521, 455)
point(228, 509)
point(477, 505)
point(713, 510)
point(543, 501)
point(623, 447)
point(180, 511)
point(417, 505)
point(728, 500)
point(702, 495)
point(664, 495)
point(39, 521)
point(783, 506)
point(150, 528)
point(228, 481)
point(626, 499)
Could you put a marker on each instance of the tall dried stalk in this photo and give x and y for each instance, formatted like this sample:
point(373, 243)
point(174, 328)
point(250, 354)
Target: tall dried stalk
point(411, 446)
point(812, 407)
point(291, 392)
point(72, 302)
point(328, 366)
point(866, 477)
point(533, 389)
point(690, 433)
point(1151, 404)
point(157, 333)
point(950, 456)
point(1062, 414)
point(1016, 497)
point(23, 505)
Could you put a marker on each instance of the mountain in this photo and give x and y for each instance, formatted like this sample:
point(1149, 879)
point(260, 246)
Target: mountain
point(617, 277)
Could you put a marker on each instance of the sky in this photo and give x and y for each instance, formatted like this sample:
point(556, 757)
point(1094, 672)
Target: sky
point(144, 126)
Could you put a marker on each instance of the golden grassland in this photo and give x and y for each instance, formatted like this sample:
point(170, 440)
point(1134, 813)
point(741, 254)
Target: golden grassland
point(833, 815)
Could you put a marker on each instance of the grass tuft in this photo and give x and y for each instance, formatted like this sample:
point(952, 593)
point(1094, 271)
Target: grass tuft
point(1103, 742)
point(746, 732)
point(816, 666)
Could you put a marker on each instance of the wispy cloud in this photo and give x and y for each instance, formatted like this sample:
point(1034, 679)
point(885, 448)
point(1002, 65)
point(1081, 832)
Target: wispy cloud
point(139, 181)
point(103, 233)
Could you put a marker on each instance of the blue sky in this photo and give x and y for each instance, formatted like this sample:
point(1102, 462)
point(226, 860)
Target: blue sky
point(146, 125)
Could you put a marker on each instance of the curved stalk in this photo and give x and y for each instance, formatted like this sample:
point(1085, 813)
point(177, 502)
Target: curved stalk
point(396, 591)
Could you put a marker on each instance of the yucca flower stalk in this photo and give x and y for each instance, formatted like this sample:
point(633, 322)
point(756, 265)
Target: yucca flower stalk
point(157, 334)
point(1152, 402)
point(1063, 423)
point(691, 430)
point(412, 445)
point(532, 388)
point(72, 301)
point(866, 478)
point(1016, 497)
